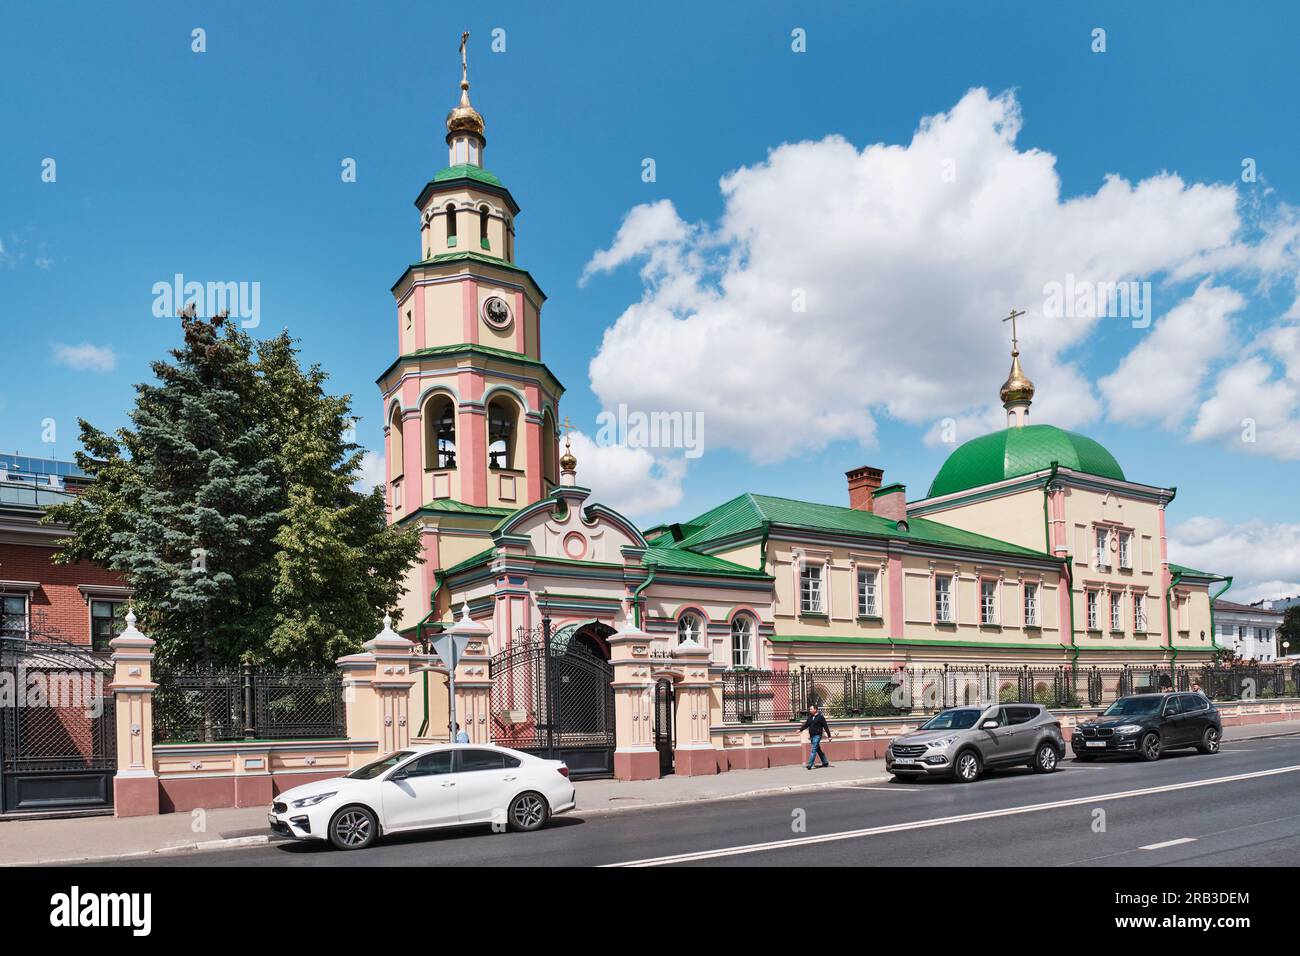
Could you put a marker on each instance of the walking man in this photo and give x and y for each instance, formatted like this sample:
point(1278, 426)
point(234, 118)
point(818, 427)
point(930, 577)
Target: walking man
point(462, 736)
point(817, 729)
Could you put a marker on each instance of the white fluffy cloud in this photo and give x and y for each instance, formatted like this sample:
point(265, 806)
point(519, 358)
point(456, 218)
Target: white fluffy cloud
point(84, 357)
point(370, 475)
point(1263, 558)
point(630, 480)
point(1161, 378)
point(906, 256)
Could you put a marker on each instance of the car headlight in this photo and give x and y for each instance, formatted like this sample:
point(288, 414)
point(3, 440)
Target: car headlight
point(941, 742)
point(313, 800)
point(1127, 729)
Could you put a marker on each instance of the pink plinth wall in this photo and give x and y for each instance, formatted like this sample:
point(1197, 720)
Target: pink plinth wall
point(636, 765)
point(135, 796)
point(694, 763)
point(179, 795)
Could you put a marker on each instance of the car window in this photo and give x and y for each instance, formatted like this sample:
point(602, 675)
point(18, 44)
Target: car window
point(1144, 705)
point(471, 760)
point(512, 761)
point(1173, 705)
point(1021, 715)
point(430, 764)
point(1193, 702)
point(372, 770)
point(957, 719)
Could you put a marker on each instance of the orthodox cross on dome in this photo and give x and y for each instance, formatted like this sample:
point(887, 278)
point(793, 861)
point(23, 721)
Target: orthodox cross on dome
point(464, 62)
point(1015, 343)
point(1017, 391)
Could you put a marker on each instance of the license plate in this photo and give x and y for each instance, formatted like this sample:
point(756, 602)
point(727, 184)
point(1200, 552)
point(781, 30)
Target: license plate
point(905, 761)
point(1094, 743)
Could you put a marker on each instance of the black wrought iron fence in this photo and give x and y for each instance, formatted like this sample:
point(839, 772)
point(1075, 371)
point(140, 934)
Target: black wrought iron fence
point(246, 703)
point(757, 696)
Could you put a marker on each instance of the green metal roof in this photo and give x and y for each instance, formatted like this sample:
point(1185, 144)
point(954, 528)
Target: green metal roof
point(675, 559)
point(470, 562)
point(466, 171)
point(751, 512)
point(1192, 572)
point(1021, 451)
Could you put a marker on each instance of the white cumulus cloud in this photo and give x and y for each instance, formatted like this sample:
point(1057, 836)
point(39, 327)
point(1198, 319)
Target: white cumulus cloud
point(84, 357)
point(841, 284)
point(1263, 558)
point(631, 480)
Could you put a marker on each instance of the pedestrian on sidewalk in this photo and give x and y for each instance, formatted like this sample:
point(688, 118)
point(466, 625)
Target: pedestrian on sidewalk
point(817, 729)
point(461, 736)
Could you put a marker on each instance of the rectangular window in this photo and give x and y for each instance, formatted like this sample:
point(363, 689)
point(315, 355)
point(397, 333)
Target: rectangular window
point(943, 598)
point(810, 589)
point(1092, 611)
point(107, 620)
point(988, 602)
point(741, 643)
point(1102, 558)
point(1139, 612)
point(13, 616)
point(1125, 557)
point(1116, 612)
point(1031, 605)
point(867, 606)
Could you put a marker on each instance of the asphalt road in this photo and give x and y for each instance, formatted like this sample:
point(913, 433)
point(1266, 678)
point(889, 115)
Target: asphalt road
point(1236, 808)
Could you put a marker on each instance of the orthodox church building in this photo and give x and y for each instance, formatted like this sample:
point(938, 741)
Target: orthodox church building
point(1031, 544)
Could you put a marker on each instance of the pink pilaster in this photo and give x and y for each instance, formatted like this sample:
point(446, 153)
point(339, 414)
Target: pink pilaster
point(1165, 578)
point(429, 569)
point(469, 310)
point(520, 337)
point(413, 479)
point(471, 437)
point(895, 596)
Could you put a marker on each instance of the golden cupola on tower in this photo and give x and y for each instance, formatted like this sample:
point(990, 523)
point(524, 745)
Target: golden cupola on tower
point(1017, 387)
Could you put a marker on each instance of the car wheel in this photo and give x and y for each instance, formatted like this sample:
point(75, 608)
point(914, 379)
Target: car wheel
point(1046, 758)
point(967, 767)
point(1149, 748)
point(1209, 741)
point(353, 828)
point(528, 811)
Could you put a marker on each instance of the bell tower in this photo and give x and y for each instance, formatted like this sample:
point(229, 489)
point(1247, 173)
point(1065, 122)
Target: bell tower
point(470, 410)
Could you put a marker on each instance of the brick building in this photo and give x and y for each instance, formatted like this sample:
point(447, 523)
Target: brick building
point(80, 603)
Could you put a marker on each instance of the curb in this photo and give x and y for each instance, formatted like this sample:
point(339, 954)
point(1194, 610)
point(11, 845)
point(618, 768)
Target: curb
point(719, 798)
point(205, 846)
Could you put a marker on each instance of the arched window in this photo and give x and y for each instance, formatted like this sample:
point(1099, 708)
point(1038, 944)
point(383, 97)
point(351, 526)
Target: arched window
point(483, 212)
point(451, 223)
point(550, 450)
point(502, 433)
point(439, 433)
point(396, 449)
point(690, 627)
point(742, 641)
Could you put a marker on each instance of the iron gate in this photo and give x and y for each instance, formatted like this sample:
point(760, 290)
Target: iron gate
point(58, 747)
point(665, 732)
point(554, 700)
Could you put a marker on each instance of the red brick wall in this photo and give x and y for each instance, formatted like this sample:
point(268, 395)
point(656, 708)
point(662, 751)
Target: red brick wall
point(58, 599)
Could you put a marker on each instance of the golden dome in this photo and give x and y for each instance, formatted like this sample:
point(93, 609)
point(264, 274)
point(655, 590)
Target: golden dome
point(1017, 387)
point(568, 462)
point(464, 118)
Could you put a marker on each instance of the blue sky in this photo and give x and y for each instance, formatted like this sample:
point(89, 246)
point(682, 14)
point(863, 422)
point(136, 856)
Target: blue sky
point(225, 166)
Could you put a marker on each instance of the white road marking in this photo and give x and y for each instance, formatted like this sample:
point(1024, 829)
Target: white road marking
point(1161, 846)
point(945, 821)
point(887, 789)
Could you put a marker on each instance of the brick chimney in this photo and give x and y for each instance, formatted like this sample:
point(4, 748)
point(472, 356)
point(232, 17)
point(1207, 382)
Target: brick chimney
point(862, 484)
point(890, 502)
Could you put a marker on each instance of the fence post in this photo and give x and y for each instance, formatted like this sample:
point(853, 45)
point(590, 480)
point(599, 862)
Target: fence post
point(635, 756)
point(135, 785)
point(246, 693)
point(377, 688)
point(694, 754)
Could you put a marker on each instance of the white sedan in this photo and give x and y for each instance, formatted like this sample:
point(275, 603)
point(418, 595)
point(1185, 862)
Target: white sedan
point(424, 788)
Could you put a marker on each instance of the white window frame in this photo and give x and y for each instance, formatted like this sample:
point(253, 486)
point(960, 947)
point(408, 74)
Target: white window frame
point(1091, 599)
point(702, 627)
point(1116, 611)
point(812, 588)
point(988, 602)
point(943, 609)
point(868, 592)
point(1139, 612)
point(1101, 538)
point(742, 641)
point(1126, 550)
point(25, 631)
point(1031, 604)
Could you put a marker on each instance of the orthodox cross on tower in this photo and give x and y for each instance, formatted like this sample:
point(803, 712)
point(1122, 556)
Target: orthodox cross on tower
point(1015, 343)
point(464, 61)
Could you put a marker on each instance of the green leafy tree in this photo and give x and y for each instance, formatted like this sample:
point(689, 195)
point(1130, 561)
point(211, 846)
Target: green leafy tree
point(1289, 630)
point(228, 506)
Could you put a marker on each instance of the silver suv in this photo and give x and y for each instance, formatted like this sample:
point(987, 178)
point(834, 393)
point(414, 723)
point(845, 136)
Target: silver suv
point(964, 741)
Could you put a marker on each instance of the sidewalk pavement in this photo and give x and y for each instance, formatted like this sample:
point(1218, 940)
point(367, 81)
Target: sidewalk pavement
point(90, 838)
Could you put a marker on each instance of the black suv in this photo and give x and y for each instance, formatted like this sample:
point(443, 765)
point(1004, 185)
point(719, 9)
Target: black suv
point(1149, 724)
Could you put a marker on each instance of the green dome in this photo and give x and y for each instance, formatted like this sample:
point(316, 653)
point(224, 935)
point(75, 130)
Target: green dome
point(1021, 451)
